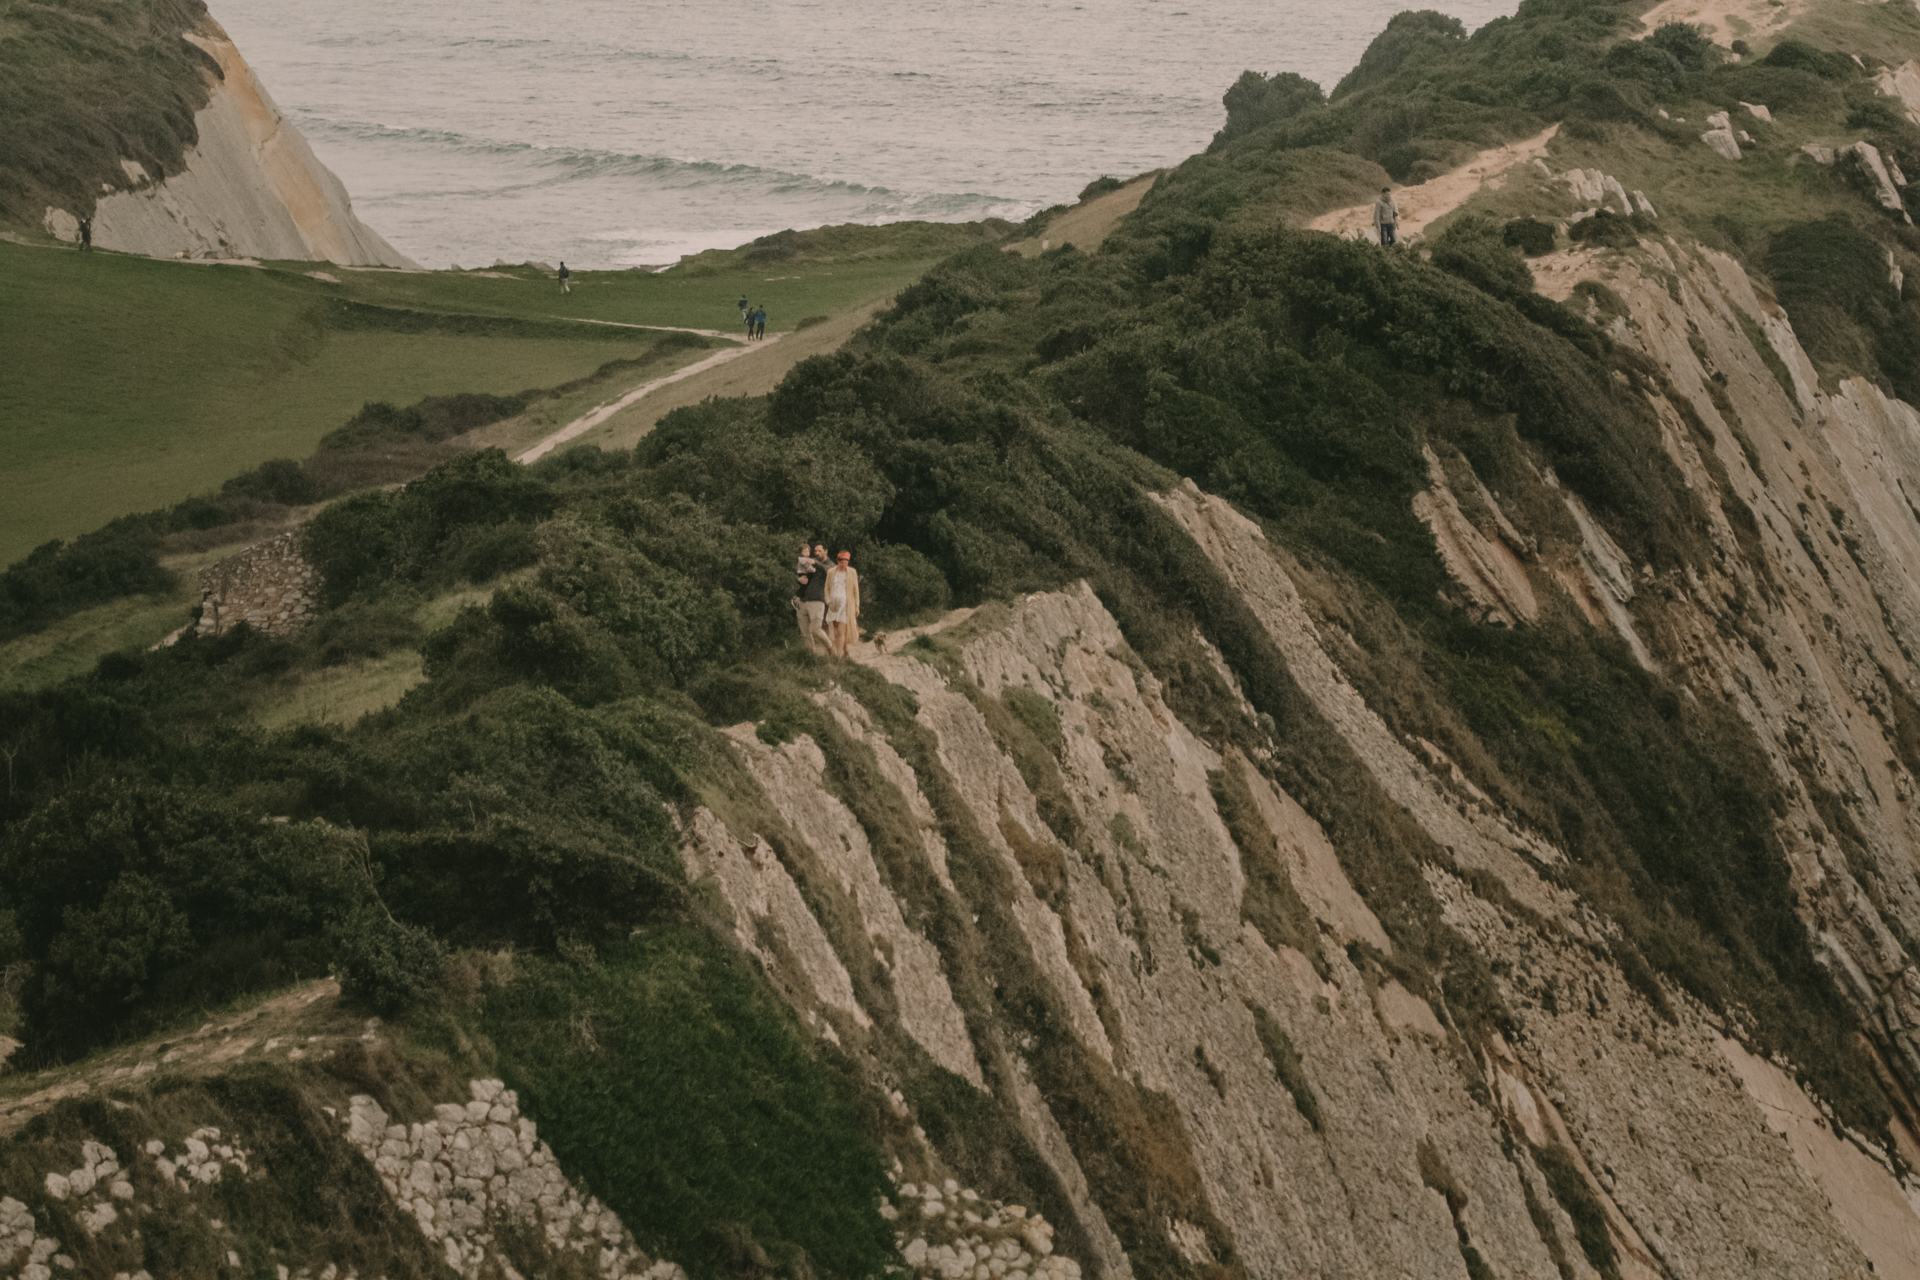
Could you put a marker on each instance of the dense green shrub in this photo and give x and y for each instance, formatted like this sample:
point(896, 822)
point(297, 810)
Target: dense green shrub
point(400, 537)
point(730, 1130)
point(1797, 55)
point(1100, 186)
point(1255, 100)
point(137, 901)
point(1606, 229)
point(1529, 235)
point(60, 578)
point(1832, 277)
point(899, 583)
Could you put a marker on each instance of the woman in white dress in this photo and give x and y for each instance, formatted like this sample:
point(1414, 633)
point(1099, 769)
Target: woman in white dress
point(843, 604)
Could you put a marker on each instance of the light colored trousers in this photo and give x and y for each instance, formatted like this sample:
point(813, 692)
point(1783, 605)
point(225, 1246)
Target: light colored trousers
point(812, 618)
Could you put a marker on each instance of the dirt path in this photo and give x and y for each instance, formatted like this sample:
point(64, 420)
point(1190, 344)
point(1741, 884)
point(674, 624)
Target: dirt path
point(754, 371)
point(1087, 225)
point(594, 417)
point(1724, 20)
point(303, 1022)
point(1435, 198)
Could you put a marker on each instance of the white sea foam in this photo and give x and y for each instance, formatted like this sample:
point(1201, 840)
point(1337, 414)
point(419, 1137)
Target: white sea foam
point(628, 132)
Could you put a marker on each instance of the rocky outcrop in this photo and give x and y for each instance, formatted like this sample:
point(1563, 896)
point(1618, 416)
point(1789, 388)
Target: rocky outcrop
point(251, 187)
point(269, 586)
point(1330, 1116)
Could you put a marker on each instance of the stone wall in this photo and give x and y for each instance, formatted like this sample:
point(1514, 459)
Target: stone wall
point(269, 586)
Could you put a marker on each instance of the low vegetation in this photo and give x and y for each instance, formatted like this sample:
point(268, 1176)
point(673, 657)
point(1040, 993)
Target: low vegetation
point(980, 440)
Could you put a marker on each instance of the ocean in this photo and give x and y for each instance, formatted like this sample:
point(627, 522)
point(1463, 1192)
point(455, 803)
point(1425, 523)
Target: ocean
point(623, 133)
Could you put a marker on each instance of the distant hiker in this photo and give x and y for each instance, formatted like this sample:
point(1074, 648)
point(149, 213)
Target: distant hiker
point(565, 275)
point(760, 322)
point(86, 235)
point(1386, 215)
point(843, 605)
point(746, 314)
point(743, 308)
point(810, 603)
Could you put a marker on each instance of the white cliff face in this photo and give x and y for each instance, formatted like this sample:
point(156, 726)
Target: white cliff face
point(251, 187)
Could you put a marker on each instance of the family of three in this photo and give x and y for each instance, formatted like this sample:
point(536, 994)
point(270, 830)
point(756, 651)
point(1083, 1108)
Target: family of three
point(828, 601)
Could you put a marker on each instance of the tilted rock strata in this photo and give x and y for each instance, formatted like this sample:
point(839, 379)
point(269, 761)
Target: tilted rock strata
point(478, 1165)
point(250, 187)
point(1691, 1178)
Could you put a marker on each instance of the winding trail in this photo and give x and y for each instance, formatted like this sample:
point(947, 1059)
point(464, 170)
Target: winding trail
point(1423, 205)
point(593, 418)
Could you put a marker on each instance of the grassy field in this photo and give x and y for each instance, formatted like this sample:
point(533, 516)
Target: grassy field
point(132, 383)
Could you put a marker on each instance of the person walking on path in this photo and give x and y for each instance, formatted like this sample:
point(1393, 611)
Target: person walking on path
point(747, 314)
point(86, 235)
point(1386, 215)
point(843, 605)
point(743, 308)
point(811, 602)
point(760, 322)
point(565, 275)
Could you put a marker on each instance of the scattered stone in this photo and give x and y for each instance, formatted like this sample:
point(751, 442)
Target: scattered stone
point(1758, 111)
point(1722, 140)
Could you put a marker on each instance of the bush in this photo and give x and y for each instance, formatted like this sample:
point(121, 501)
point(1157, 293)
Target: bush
point(280, 480)
point(1099, 187)
point(1606, 229)
point(1529, 235)
point(1475, 249)
point(1255, 100)
point(383, 964)
point(60, 578)
point(898, 583)
point(1797, 55)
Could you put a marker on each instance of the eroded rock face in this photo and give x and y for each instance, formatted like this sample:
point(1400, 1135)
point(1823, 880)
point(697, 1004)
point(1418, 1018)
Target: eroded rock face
point(1320, 1116)
point(251, 187)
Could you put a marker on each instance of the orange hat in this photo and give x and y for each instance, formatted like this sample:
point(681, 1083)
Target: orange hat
point(846, 555)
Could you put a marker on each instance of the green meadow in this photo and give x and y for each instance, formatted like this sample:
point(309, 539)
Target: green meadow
point(132, 383)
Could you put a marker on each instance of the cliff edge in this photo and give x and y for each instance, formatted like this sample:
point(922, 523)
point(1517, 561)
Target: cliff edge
point(249, 186)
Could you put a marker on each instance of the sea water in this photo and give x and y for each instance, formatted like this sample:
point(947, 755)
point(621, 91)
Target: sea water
point(618, 133)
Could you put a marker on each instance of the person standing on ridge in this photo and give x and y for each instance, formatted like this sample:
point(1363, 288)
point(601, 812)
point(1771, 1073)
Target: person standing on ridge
point(811, 602)
point(565, 275)
point(843, 605)
point(1386, 215)
point(86, 235)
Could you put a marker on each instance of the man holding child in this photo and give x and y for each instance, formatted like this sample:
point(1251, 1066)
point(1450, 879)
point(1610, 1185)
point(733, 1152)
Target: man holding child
point(827, 602)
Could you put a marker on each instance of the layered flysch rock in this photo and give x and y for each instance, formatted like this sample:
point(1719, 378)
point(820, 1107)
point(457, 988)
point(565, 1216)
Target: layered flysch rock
point(251, 187)
point(1317, 1117)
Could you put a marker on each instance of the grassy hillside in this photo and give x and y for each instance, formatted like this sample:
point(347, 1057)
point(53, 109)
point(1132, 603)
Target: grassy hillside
point(136, 383)
point(85, 84)
point(980, 441)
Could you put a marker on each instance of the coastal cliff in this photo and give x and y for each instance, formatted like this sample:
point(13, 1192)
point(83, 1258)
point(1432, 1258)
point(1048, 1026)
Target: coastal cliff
point(243, 182)
point(1366, 762)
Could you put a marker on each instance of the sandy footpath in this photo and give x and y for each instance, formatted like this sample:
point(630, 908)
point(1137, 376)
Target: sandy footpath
point(1422, 205)
point(740, 371)
point(1724, 20)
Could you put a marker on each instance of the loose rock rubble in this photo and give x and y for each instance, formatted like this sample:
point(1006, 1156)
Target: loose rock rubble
point(474, 1165)
point(23, 1251)
point(201, 1159)
point(949, 1233)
